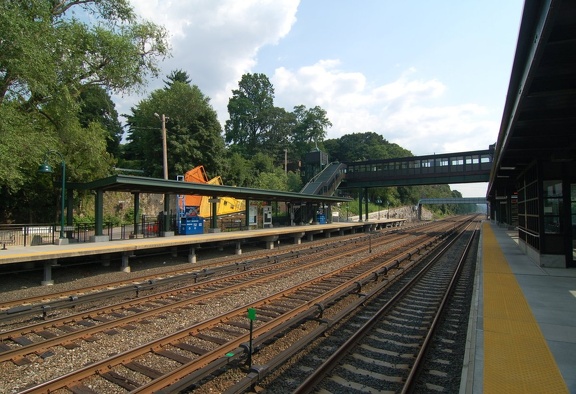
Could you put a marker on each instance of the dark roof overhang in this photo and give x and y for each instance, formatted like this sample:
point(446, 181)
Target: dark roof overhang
point(138, 184)
point(539, 118)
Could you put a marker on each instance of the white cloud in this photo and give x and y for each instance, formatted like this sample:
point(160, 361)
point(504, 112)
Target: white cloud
point(408, 111)
point(215, 42)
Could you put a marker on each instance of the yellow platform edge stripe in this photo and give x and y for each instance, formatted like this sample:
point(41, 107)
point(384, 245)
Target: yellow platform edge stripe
point(516, 356)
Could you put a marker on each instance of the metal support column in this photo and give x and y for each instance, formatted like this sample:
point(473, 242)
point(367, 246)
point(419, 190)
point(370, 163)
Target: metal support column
point(214, 219)
point(99, 212)
point(360, 205)
point(69, 211)
point(247, 214)
point(366, 202)
point(136, 213)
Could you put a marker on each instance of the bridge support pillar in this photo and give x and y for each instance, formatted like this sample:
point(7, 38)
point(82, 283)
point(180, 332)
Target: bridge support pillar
point(298, 238)
point(192, 255)
point(238, 248)
point(270, 241)
point(48, 272)
point(419, 212)
point(125, 262)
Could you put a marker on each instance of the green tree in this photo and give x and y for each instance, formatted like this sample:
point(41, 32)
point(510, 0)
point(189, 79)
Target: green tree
point(97, 106)
point(251, 110)
point(363, 146)
point(238, 171)
point(193, 132)
point(309, 129)
point(278, 136)
point(262, 162)
point(50, 54)
point(177, 76)
point(275, 180)
point(294, 182)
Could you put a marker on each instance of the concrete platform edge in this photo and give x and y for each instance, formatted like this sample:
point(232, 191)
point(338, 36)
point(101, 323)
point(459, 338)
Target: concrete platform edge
point(471, 378)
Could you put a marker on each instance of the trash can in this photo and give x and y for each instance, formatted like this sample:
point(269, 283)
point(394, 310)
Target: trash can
point(191, 225)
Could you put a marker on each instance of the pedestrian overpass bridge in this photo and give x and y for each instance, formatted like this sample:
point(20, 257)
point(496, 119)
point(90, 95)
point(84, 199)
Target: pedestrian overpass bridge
point(436, 169)
point(446, 168)
point(462, 200)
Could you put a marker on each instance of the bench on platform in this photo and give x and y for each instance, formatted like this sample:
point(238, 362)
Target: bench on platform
point(6, 239)
point(231, 225)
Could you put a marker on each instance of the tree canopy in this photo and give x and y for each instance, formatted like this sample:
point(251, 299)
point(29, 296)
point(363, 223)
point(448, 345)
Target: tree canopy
point(256, 125)
point(52, 57)
point(194, 135)
point(363, 146)
point(251, 110)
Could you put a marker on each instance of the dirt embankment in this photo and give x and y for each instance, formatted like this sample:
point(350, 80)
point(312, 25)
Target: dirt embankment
point(405, 212)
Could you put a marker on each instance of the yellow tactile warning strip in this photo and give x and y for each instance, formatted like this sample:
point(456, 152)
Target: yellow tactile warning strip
point(516, 356)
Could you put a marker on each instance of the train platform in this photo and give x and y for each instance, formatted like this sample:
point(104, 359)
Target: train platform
point(522, 331)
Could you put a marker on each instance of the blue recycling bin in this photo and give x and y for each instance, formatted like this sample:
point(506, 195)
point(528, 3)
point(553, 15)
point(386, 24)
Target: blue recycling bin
point(321, 219)
point(191, 225)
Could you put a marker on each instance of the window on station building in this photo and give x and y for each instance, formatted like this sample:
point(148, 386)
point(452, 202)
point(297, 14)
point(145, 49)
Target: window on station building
point(552, 206)
point(457, 161)
point(472, 160)
point(485, 159)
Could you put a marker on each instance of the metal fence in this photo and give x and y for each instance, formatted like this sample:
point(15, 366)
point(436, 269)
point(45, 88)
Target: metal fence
point(48, 233)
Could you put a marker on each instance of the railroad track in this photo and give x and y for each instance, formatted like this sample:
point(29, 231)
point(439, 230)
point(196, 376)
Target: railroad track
point(199, 349)
point(37, 338)
point(71, 298)
point(174, 282)
point(209, 340)
point(386, 353)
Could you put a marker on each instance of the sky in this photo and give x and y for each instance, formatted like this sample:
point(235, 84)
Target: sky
point(430, 76)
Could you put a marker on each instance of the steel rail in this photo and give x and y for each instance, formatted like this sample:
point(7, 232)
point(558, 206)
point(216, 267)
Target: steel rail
point(171, 292)
point(344, 288)
point(319, 374)
point(30, 305)
point(42, 309)
point(107, 364)
point(410, 380)
point(88, 331)
point(127, 285)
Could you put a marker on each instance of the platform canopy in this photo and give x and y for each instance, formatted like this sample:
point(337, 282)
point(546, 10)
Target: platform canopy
point(138, 184)
point(539, 118)
point(462, 200)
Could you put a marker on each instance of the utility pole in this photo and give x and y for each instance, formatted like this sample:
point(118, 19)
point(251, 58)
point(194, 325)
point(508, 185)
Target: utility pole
point(165, 168)
point(164, 145)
